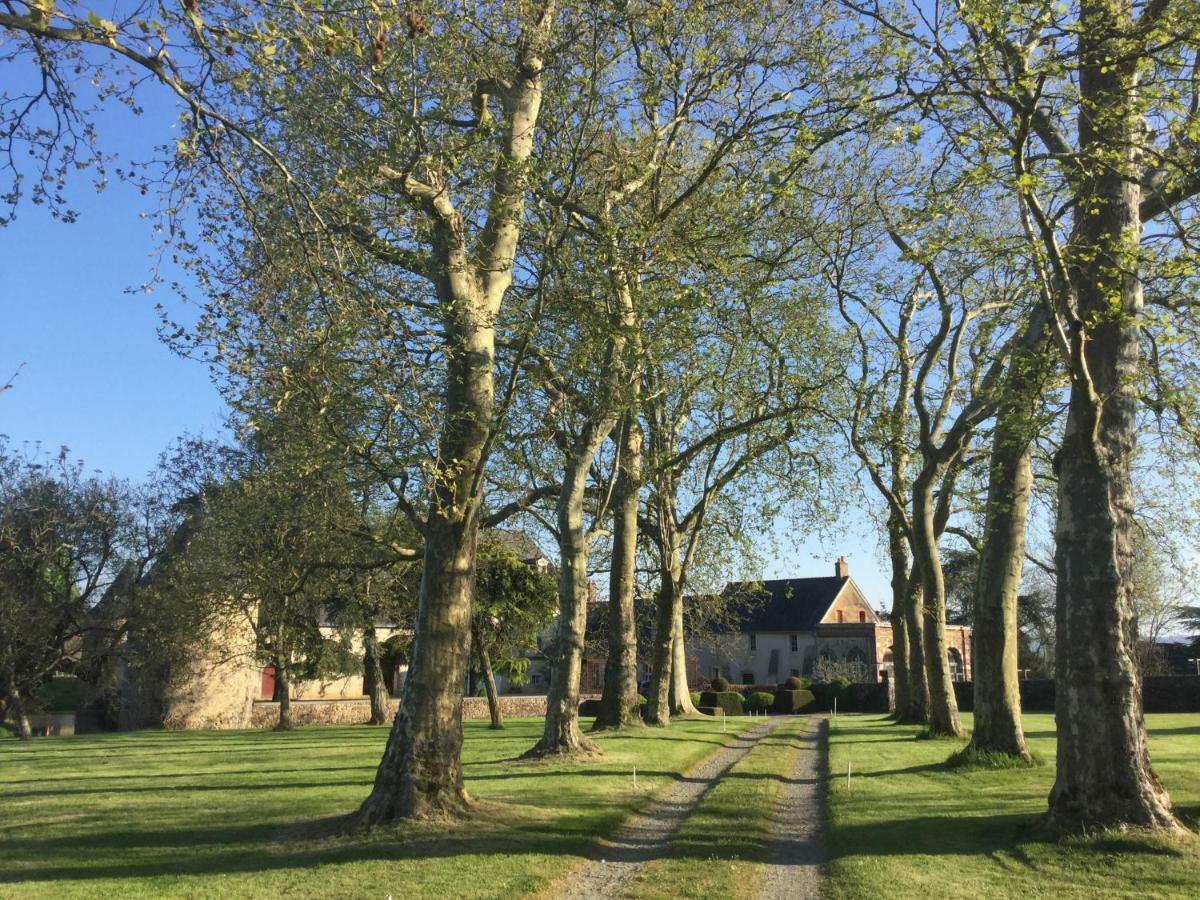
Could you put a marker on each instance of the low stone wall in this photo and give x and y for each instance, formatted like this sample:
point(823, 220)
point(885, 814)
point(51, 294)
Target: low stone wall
point(265, 713)
point(513, 705)
point(1160, 694)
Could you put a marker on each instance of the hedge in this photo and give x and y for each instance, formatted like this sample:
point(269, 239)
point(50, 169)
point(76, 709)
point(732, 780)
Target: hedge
point(730, 701)
point(1160, 694)
point(759, 702)
point(787, 701)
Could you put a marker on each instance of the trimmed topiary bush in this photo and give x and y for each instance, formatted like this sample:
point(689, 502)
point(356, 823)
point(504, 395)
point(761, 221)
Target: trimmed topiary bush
point(796, 683)
point(730, 701)
point(720, 683)
point(696, 699)
point(788, 702)
point(759, 702)
point(642, 701)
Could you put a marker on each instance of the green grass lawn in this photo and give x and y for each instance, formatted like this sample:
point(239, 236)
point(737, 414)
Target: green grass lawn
point(253, 813)
point(719, 848)
point(907, 827)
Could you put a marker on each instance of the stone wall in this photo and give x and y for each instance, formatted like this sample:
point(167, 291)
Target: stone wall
point(265, 713)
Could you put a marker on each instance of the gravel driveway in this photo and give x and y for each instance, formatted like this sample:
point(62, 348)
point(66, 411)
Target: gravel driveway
point(619, 858)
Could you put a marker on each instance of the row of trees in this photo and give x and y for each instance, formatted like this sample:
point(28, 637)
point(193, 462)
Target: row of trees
point(637, 272)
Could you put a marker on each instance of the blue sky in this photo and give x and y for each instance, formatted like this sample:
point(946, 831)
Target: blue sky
point(95, 377)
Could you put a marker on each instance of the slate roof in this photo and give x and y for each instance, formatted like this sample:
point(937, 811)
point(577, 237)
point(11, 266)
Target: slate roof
point(785, 604)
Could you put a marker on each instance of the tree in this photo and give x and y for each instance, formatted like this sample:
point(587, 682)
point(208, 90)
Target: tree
point(66, 541)
point(1033, 75)
point(514, 601)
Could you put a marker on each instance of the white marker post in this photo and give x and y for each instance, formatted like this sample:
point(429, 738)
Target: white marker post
point(847, 774)
point(635, 778)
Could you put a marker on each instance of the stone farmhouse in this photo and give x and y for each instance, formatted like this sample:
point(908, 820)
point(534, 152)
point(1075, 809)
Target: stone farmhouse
point(788, 624)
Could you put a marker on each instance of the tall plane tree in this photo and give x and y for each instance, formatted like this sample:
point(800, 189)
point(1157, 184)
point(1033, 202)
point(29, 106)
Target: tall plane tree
point(1092, 105)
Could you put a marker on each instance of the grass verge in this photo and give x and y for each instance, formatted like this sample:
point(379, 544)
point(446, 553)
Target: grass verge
point(910, 825)
point(252, 813)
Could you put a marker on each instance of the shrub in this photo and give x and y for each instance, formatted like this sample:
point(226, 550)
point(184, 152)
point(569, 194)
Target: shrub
point(759, 702)
point(730, 701)
point(796, 683)
point(720, 683)
point(642, 701)
point(696, 699)
point(590, 708)
point(828, 671)
point(787, 702)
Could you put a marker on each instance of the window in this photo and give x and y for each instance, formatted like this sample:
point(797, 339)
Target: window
point(796, 672)
point(862, 616)
point(841, 616)
point(754, 642)
point(794, 641)
point(747, 678)
point(716, 671)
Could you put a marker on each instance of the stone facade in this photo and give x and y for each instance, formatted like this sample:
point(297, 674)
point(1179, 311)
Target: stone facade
point(806, 620)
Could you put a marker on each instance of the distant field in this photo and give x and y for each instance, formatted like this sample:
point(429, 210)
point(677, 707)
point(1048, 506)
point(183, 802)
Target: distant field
point(908, 828)
point(251, 813)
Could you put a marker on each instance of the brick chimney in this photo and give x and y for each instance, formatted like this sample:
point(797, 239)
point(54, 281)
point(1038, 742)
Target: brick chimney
point(841, 568)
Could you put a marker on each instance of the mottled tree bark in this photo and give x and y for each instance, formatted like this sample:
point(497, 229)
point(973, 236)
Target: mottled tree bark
point(680, 694)
point(376, 685)
point(421, 771)
point(658, 706)
point(619, 702)
point(658, 701)
point(1103, 778)
point(997, 720)
point(489, 678)
point(561, 733)
point(918, 681)
point(943, 708)
point(898, 555)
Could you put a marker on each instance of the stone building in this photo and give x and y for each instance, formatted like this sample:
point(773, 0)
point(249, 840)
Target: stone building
point(784, 626)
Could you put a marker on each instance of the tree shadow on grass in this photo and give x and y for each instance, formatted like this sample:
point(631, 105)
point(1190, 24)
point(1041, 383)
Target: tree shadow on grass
point(932, 836)
point(247, 850)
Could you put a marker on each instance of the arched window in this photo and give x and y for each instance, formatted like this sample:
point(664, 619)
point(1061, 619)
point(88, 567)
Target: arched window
point(862, 615)
point(841, 616)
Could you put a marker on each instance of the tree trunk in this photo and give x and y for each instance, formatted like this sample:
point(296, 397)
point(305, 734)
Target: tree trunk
point(658, 706)
point(16, 709)
point(561, 733)
point(997, 688)
point(943, 709)
point(658, 703)
point(421, 769)
point(918, 680)
point(898, 553)
point(375, 683)
point(1103, 778)
point(619, 702)
point(489, 678)
point(283, 690)
point(681, 693)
